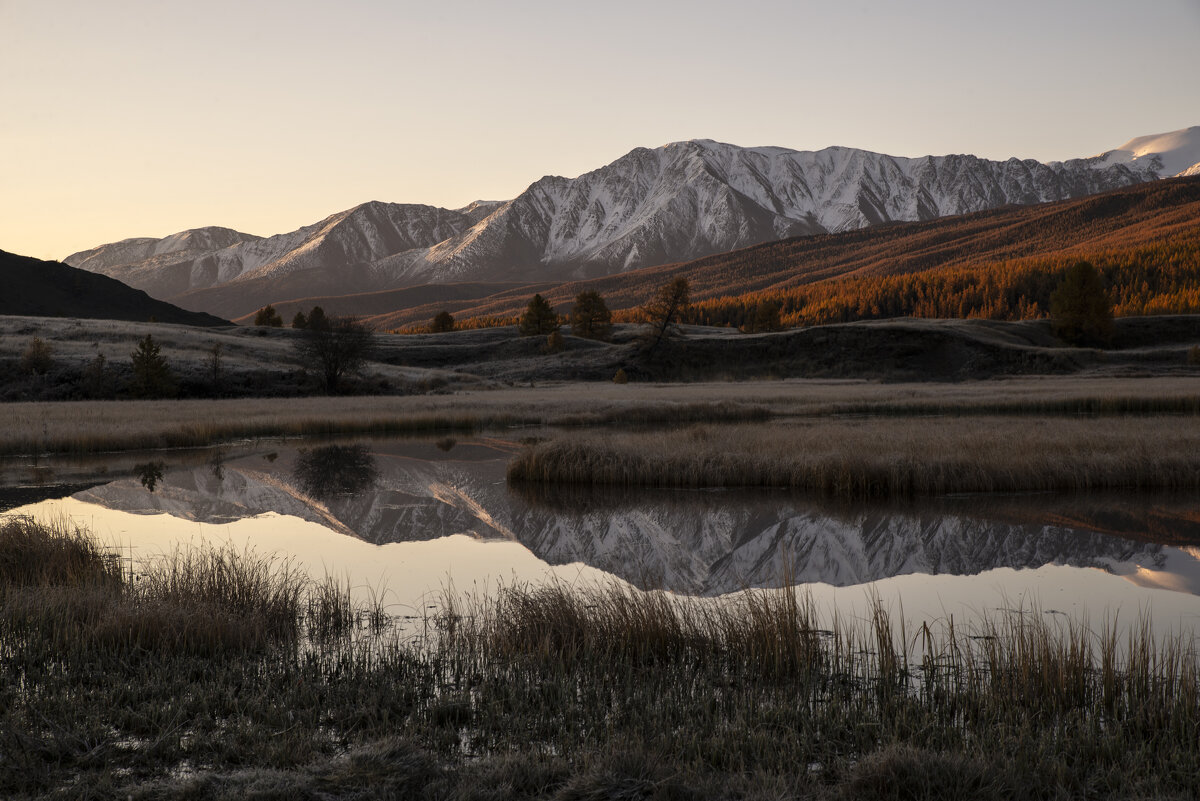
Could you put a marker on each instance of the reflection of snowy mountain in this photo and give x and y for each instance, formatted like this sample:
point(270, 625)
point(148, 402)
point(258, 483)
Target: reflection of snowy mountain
point(707, 543)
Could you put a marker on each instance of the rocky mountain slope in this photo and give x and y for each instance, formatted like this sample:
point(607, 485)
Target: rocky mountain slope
point(1117, 226)
point(676, 202)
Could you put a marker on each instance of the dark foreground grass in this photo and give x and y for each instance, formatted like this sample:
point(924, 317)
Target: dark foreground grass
point(223, 675)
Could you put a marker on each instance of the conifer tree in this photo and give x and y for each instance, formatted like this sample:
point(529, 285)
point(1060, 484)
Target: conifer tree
point(152, 376)
point(663, 314)
point(590, 318)
point(538, 319)
point(1080, 311)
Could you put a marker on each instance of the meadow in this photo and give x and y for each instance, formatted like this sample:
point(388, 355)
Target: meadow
point(882, 457)
point(96, 426)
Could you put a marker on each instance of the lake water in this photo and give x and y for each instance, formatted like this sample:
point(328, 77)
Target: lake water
point(410, 520)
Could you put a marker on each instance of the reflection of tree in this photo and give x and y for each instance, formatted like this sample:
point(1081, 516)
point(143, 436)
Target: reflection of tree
point(150, 473)
point(216, 465)
point(335, 470)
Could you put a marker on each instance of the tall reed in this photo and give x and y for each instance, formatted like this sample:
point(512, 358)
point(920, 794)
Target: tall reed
point(224, 674)
point(881, 458)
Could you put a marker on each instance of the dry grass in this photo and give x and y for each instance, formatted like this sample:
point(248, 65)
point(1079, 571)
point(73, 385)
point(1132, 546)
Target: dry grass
point(95, 426)
point(883, 457)
point(557, 692)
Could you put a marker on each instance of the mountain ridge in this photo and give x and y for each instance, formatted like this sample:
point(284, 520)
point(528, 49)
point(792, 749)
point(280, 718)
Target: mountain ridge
point(677, 202)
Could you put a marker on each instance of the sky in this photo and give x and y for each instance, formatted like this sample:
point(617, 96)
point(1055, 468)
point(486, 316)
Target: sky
point(132, 118)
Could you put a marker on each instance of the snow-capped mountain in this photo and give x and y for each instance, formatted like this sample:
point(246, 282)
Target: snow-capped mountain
point(1168, 155)
point(672, 203)
point(701, 543)
point(335, 255)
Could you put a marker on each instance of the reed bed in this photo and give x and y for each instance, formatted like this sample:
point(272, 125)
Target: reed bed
point(557, 692)
point(96, 426)
point(882, 458)
point(104, 426)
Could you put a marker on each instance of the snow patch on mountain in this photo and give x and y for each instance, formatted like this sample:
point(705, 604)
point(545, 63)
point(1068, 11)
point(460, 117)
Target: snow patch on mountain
point(1167, 155)
point(677, 202)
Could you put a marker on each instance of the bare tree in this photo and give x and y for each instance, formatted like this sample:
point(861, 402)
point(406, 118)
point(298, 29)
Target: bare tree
point(335, 347)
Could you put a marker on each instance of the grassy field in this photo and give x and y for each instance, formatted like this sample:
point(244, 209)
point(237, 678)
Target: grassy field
point(882, 458)
point(218, 674)
point(93, 426)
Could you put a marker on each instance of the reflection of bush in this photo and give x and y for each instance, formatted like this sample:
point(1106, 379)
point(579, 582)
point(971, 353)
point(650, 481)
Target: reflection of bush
point(335, 470)
point(150, 474)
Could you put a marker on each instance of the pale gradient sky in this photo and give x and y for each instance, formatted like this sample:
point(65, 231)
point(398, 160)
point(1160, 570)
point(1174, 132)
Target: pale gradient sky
point(131, 118)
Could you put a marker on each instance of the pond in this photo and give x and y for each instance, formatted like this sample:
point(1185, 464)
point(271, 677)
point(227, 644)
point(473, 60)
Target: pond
point(409, 520)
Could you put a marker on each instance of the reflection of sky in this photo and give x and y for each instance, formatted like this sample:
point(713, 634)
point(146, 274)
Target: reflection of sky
point(411, 573)
point(415, 574)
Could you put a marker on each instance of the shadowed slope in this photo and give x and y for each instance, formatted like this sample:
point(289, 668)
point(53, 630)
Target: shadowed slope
point(49, 289)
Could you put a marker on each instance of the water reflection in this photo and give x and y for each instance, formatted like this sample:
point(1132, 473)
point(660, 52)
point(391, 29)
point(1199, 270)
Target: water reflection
point(335, 470)
point(695, 542)
point(149, 474)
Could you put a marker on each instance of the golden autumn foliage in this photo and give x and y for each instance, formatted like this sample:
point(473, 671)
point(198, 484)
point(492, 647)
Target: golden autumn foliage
point(1001, 264)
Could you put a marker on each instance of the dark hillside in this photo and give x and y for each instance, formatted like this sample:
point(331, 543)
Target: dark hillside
point(36, 288)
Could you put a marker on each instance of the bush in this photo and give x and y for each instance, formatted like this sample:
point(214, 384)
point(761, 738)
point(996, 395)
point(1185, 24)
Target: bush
point(38, 357)
point(267, 316)
point(1080, 311)
point(538, 319)
point(554, 342)
point(620, 377)
point(334, 346)
point(97, 380)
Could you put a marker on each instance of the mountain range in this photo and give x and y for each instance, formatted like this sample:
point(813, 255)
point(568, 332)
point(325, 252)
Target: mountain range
point(673, 203)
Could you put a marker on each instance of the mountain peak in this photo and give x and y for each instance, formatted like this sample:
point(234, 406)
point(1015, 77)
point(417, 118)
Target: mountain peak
point(676, 202)
point(1168, 154)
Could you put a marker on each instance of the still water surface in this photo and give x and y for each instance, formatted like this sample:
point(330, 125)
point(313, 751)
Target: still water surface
point(412, 519)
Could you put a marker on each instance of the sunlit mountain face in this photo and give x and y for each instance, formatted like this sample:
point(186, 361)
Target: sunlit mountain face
point(652, 206)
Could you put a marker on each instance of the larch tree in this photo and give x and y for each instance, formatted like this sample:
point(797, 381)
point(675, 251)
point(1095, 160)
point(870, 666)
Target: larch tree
point(1080, 309)
point(538, 318)
point(663, 314)
point(590, 318)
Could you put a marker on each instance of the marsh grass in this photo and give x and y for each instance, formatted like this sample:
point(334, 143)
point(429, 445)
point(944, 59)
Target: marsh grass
point(96, 426)
point(560, 692)
point(882, 458)
point(104, 426)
